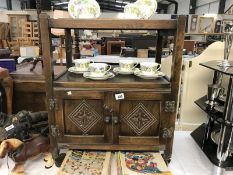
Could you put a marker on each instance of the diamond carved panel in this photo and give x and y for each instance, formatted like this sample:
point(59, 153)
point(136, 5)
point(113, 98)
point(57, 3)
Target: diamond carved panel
point(84, 116)
point(140, 119)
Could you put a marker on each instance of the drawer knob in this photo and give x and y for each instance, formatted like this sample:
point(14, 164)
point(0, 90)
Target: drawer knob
point(107, 119)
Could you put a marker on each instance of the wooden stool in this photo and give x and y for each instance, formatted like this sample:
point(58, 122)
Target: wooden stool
point(7, 83)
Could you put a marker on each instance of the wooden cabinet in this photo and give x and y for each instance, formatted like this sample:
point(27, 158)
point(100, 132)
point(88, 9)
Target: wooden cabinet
point(96, 117)
point(85, 114)
point(16, 25)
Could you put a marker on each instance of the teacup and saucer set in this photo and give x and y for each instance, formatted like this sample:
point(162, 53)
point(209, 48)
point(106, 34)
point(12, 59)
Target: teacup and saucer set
point(149, 70)
point(81, 66)
point(126, 67)
point(99, 71)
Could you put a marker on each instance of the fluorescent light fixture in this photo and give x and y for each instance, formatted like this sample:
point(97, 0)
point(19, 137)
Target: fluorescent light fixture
point(211, 15)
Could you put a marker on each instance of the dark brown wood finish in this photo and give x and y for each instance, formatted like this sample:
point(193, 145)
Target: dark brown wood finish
point(159, 48)
point(90, 117)
point(112, 24)
point(49, 74)
point(68, 42)
point(7, 83)
point(29, 87)
point(176, 73)
point(81, 116)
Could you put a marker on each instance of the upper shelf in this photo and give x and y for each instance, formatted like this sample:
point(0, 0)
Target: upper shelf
point(187, 34)
point(214, 66)
point(112, 23)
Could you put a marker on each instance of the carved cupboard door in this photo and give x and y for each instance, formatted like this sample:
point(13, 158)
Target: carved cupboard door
point(141, 118)
point(80, 117)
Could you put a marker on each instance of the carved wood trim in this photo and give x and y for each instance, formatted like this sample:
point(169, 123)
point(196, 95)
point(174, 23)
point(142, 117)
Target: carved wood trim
point(140, 119)
point(84, 117)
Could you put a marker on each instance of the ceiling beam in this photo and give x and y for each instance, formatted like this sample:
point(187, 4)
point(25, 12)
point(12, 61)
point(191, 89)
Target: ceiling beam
point(221, 7)
point(9, 4)
point(192, 6)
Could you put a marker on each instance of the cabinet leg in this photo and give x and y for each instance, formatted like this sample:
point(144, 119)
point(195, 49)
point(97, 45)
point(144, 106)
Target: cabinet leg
point(58, 158)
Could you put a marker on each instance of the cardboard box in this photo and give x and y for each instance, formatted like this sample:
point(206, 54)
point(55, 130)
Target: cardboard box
point(29, 51)
point(142, 53)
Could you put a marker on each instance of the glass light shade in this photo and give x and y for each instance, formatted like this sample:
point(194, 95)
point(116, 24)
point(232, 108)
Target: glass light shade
point(83, 9)
point(141, 9)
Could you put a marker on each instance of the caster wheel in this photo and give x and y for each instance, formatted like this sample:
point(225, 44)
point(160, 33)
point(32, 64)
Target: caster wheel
point(58, 160)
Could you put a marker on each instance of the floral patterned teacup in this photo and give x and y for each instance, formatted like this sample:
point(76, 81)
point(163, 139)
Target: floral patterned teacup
point(127, 65)
point(99, 69)
point(82, 64)
point(149, 68)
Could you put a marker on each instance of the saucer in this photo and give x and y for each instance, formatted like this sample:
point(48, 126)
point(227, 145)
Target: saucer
point(75, 70)
point(156, 75)
point(105, 77)
point(119, 71)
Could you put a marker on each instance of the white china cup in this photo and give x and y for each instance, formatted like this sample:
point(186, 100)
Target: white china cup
point(82, 64)
point(99, 69)
point(149, 68)
point(127, 65)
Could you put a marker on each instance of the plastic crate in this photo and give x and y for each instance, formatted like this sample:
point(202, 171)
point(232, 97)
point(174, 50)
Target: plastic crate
point(8, 64)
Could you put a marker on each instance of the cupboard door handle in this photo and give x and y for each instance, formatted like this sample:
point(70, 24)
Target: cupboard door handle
point(115, 119)
point(107, 119)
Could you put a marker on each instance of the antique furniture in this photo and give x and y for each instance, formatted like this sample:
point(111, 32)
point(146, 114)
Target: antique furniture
point(16, 25)
point(4, 53)
point(114, 47)
point(122, 113)
point(29, 87)
point(7, 83)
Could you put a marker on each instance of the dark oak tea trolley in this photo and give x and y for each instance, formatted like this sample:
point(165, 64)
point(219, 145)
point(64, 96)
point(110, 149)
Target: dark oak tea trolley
point(85, 114)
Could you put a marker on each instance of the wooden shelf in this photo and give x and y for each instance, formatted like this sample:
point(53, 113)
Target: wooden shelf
point(204, 33)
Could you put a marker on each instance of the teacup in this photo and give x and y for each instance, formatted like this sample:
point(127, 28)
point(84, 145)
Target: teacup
point(127, 65)
point(149, 68)
point(82, 64)
point(99, 69)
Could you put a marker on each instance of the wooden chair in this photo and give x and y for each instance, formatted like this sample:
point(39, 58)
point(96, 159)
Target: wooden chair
point(111, 44)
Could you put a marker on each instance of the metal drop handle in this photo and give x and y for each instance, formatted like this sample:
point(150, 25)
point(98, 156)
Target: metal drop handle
point(107, 119)
point(115, 119)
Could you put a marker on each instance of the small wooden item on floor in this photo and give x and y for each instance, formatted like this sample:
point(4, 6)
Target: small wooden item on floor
point(21, 151)
point(7, 83)
point(86, 162)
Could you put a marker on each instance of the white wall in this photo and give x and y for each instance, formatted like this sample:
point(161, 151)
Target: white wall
point(228, 4)
point(207, 6)
point(3, 5)
point(183, 7)
point(15, 4)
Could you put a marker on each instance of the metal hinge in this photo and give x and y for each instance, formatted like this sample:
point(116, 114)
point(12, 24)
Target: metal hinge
point(168, 133)
point(52, 104)
point(55, 130)
point(170, 106)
